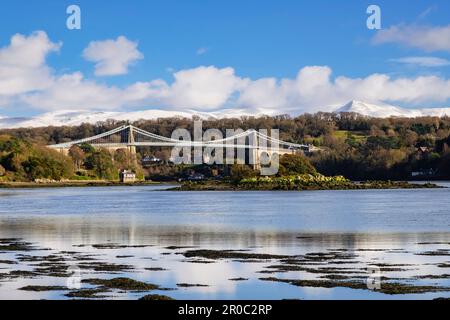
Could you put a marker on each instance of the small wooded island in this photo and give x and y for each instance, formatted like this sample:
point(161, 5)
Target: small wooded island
point(296, 173)
point(299, 183)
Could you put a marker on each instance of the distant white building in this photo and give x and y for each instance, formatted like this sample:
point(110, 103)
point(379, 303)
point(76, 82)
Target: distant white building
point(424, 173)
point(127, 176)
point(196, 177)
point(150, 160)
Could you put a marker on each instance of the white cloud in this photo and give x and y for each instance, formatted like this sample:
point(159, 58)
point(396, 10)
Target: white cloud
point(427, 38)
point(73, 91)
point(22, 64)
point(112, 57)
point(314, 89)
point(205, 88)
point(200, 88)
point(423, 61)
point(382, 88)
point(263, 93)
point(210, 88)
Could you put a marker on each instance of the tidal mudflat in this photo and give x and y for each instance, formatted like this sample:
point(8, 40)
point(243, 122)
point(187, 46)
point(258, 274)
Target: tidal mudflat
point(135, 243)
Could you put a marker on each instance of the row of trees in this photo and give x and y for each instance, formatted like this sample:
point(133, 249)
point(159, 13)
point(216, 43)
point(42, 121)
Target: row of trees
point(102, 163)
point(352, 145)
point(22, 160)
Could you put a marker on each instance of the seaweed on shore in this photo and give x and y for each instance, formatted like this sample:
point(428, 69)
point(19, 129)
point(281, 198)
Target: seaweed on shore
point(105, 267)
point(155, 297)
point(321, 270)
point(198, 261)
point(15, 244)
point(433, 243)
point(118, 246)
point(88, 293)
point(53, 270)
point(155, 269)
point(335, 277)
point(230, 254)
point(125, 284)
point(386, 287)
point(43, 288)
point(179, 247)
point(327, 256)
point(50, 258)
point(189, 285)
point(438, 253)
point(23, 274)
point(433, 276)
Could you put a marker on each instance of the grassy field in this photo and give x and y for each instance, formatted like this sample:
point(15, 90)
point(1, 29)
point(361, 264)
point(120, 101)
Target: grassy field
point(360, 136)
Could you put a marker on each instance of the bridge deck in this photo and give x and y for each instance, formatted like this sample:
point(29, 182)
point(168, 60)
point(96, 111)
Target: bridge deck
point(127, 137)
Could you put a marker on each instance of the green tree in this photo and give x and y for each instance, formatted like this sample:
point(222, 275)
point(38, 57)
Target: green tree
point(102, 164)
point(87, 148)
point(78, 156)
point(48, 164)
point(293, 164)
point(122, 159)
point(241, 171)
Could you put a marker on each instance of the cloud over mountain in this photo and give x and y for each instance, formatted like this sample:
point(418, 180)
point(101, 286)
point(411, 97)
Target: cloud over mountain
point(27, 80)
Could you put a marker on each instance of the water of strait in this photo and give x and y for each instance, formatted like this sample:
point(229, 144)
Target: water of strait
point(328, 237)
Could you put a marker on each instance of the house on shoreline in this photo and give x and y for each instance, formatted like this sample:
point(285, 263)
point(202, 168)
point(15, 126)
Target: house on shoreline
point(127, 176)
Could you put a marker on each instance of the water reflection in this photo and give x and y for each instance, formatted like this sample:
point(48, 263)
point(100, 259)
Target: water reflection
point(401, 229)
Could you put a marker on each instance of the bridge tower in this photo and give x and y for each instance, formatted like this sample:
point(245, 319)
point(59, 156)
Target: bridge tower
point(131, 142)
point(254, 152)
point(132, 145)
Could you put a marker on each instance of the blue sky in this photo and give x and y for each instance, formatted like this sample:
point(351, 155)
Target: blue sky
point(256, 39)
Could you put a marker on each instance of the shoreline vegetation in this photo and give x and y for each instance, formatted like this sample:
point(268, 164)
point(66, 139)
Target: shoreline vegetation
point(34, 166)
point(74, 183)
point(357, 147)
point(305, 182)
point(380, 152)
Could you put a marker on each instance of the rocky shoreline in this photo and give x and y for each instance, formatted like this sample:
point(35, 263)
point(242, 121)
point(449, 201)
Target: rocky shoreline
point(293, 184)
point(74, 183)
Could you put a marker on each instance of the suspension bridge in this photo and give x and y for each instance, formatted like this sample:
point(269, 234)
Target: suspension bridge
point(130, 137)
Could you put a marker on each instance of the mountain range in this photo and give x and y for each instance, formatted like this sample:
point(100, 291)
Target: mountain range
point(386, 110)
point(73, 117)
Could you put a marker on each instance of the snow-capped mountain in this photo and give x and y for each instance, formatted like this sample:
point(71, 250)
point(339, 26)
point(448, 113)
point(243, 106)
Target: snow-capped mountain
point(386, 110)
point(73, 118)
